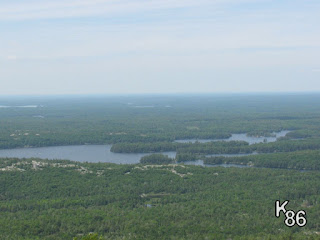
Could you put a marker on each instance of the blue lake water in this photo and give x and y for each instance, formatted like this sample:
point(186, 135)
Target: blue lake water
point(102, 153)
point(82, 153)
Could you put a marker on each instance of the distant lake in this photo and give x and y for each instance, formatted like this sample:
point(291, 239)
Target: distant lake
point(82, 153)
point(98, 153)
point(102, 153)
point(240, 137)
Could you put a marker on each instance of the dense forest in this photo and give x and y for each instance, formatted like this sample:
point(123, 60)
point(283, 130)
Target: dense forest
point(219, 147)
point(43, 199)
point(156, 159)
point(161, 198)
point(153, 119)
point(300, 160)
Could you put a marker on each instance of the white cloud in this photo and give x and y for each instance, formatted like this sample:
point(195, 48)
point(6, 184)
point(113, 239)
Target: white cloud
point(140, 43)
point(12, 57)
point(83, 8)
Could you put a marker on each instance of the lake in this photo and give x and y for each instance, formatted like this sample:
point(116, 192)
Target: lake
point(240, 137)
point(102, 153)
point(82, 153)
point(97, 153)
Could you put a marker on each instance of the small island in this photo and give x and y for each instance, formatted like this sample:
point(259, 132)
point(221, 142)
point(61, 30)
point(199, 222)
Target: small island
point(156, 159)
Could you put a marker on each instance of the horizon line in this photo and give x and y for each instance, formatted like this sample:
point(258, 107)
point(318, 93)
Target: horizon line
point(162, 94)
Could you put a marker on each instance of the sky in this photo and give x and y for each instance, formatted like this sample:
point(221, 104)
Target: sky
point(159, 46)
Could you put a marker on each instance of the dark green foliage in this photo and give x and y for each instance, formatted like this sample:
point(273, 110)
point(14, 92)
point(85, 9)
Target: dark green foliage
point(63, 200)
point(187, 202)
point(201, 148)
point(140, 147)
point(106, 120)
point(185, 157)
point(156, 159)
point(300, 160)
point(287, 146)
point(232, 147)
point(91, 236)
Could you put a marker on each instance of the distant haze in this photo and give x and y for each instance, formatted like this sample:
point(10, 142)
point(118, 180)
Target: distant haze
point(159, 46)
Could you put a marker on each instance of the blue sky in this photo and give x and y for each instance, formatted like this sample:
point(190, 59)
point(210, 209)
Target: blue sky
point(159, 46)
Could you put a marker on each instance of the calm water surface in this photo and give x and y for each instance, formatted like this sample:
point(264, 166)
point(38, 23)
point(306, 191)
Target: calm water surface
point(83, 153)
point(101, 153)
